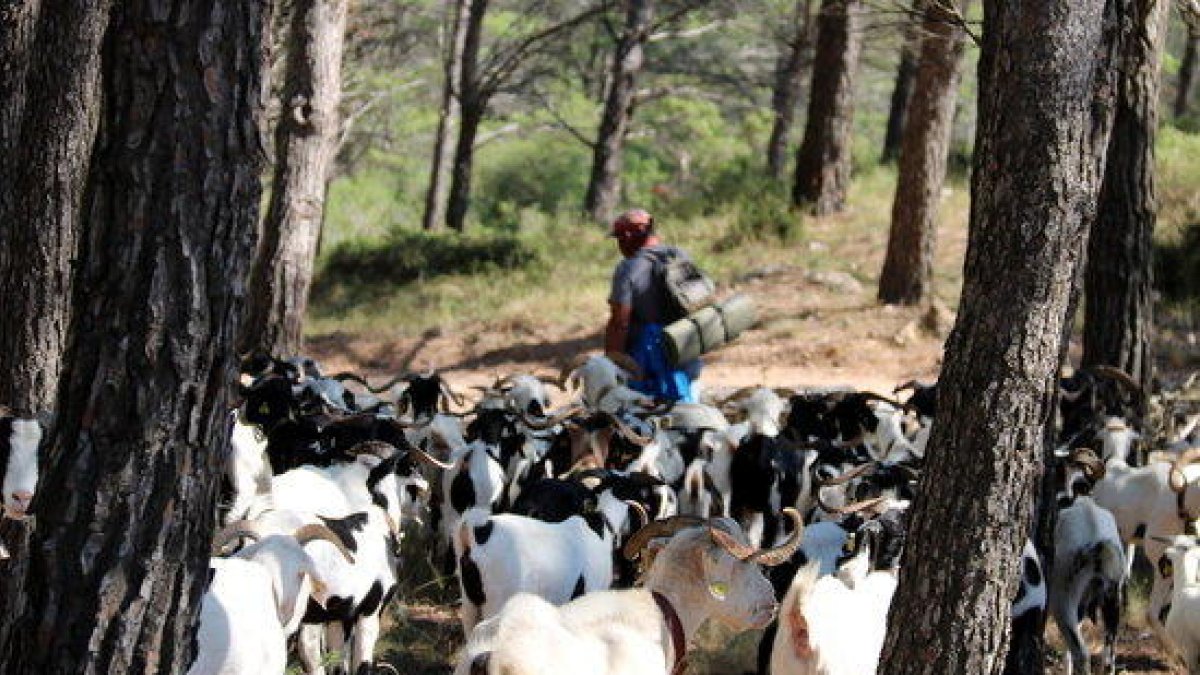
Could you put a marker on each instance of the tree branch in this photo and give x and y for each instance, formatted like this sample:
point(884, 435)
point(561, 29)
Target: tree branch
point(689, 33)
point(503, 66)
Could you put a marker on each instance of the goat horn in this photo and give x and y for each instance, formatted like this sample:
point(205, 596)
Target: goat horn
point(569, 369)
point(850, 509)
point(1087, 460)
point(386, 386)
point(450, 394)
point(782, 553)
point(313, 531)
point(784, 392)
point(629, 433)
point(430, 459)
point(234, 531)
point(872, 396)
point(722, 532)
point(643, 517)
point(842, 479)
point(736, 395)
point(1120, 376)
point(633, 548)
point(1176, 479)
point(553, 419)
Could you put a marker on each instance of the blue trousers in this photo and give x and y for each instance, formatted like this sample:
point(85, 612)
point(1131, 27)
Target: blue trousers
point(660, 379)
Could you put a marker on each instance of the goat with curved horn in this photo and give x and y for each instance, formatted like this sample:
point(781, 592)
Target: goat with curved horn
point(659, 528)
point(240, 529)
point(1087, 460)
point(849, 509)
point(629, 433)
point(847, 476)
point(782, 553)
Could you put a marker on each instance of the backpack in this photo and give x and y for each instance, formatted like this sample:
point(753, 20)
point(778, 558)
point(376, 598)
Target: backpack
point(686, 288)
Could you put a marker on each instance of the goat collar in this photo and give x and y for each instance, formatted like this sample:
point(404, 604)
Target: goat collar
point(678, 641)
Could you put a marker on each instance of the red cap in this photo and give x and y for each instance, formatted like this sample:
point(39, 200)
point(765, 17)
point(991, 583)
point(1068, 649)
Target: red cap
point(632, 223)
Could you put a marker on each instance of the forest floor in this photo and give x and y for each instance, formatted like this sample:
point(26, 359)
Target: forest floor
point(819, 326)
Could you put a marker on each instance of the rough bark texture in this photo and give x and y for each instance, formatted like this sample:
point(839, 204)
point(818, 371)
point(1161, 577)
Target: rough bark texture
point(472, 102)
point(908, 267)
point(823, 161)
point(305, 145)
point(448, 116)
point(902, 91)
point(18, 23)
point(785, 97)
point(1046, 106)
point(1187, 77)
point(605, 182)
point(126, 499)
point(1118, 310)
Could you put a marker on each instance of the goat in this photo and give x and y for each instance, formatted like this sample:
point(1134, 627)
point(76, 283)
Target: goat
point(704, 570)
point(255, 600)
point(20, 438)
point(1181, 562)
point(1088, 575)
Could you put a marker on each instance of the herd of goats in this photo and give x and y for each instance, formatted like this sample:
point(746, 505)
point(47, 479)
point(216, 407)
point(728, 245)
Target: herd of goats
point(604, 532)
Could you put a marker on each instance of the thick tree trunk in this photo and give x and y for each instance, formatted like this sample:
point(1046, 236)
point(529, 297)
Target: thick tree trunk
point(448, 116)
point(1118, 310)
point(305, 146)
point(604, 185)
point(473, 103)
point(125, 507)
point(785, 97)
point(823, 162)
point(908, 268)
point(1045, 112)
point(1187, 77)
point(902, 91)
point(50, 60)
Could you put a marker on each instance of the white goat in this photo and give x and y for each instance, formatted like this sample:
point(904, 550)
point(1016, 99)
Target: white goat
point(706, 570)
point(20, 439)
point(1088, 575)
point(255, 600)
point(1183, 619)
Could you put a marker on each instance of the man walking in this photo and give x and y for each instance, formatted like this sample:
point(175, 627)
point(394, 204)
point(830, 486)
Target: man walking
point(638, 307)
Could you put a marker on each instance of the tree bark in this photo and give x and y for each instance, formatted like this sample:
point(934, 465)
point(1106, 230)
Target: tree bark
point(125, 508)
point(908, 267)
point(448, 117)
point(1118, 310)
point(785, 97)
point(823, 162)
point(473, 103)
point(604, 185)
point(902, 91)
point(1187, 77)
point(305, 148)
point(51, 59)
point(1047, 80)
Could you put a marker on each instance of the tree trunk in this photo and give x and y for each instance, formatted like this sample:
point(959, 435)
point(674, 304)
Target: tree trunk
point(448, 116)
point(906, 75)
point(305, 146)
point(473, 103)
point(908, 268)
point(789, 82)
point(1046, 104)
point(119, 559)
point(1118, 309)
point(53, 61)
point(1187, 77)
point(823, 162)
point(605, 182)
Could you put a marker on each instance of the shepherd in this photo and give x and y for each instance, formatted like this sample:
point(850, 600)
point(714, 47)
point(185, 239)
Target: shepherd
point(640, 308)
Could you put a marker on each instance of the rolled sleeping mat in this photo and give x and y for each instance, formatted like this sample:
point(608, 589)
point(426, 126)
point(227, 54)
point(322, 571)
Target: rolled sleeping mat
point(707, 329)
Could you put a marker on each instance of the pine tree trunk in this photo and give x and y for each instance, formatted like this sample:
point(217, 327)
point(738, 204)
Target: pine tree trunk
point(906, 75)
point(908, 267)
point(448, 116)
point(305, 146)
point(45, 162)
point(604, 185)
point(1045, 111)
point(823, 161)
point(1118, 311)
point(125, 509)
point(473, 103)
point(1187, 77)
point(785, 97)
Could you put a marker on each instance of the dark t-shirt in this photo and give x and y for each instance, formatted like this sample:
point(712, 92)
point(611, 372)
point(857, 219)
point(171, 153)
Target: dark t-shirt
point(636, 284)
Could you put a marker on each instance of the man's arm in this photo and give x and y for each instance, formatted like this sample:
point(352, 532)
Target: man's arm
point(617, 332)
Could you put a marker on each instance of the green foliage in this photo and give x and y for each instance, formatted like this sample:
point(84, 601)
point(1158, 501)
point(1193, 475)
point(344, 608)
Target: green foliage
point(1177, 238)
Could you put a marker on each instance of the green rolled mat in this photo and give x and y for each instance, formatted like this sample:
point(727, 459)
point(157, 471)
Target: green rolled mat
point(707, 329)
